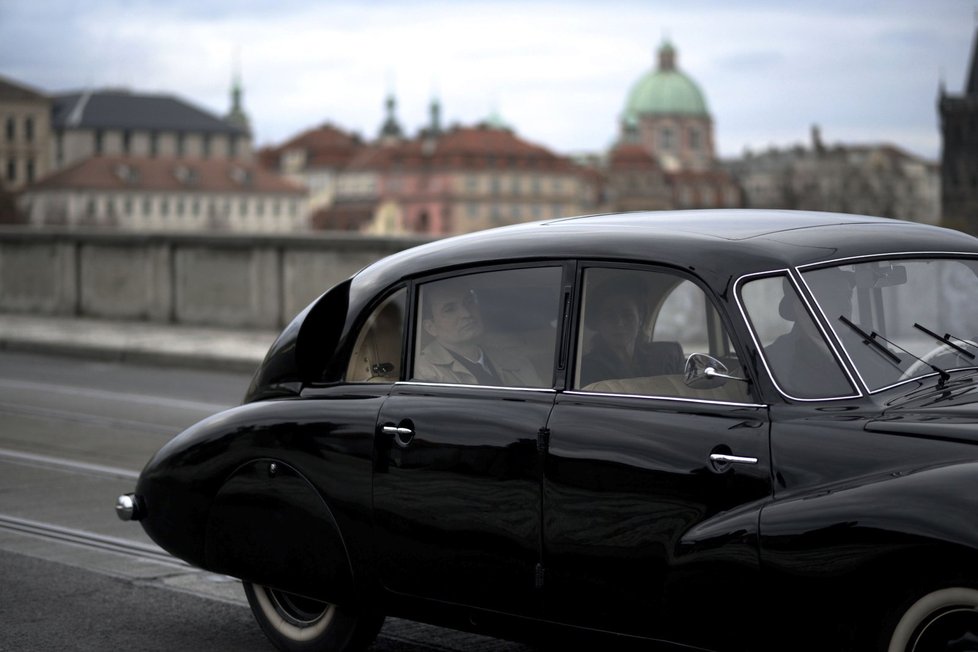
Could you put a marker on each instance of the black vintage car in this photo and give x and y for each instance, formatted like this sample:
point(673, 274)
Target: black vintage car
point(721, 430)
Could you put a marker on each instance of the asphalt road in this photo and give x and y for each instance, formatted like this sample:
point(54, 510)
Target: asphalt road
point(73, 436)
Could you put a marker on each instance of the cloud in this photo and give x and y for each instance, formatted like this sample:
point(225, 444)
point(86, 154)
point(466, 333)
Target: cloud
point(559, 72)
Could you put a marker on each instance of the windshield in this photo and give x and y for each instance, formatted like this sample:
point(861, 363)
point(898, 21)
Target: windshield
point(902, 319)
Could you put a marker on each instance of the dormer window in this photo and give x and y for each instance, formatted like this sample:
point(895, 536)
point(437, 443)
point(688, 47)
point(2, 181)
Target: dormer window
point(127, 173)
point(186, 175)
point(241, 176)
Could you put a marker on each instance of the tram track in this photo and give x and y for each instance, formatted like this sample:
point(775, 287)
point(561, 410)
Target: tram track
point(64, 464)
point(83, 538)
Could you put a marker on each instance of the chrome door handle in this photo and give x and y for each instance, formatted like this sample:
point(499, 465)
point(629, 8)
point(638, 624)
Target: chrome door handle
point(721, 462)
point(720, 458)
point(402, 436)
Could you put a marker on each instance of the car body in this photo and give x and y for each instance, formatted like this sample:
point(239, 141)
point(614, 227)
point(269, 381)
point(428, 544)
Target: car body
point(609, 425)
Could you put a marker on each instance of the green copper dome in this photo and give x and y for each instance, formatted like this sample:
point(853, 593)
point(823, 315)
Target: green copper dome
point(665, 91)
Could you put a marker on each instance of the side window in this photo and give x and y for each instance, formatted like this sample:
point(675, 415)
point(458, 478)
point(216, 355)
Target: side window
point(376, 355)
point(638, 329)
point(493, 328)
point(795, 350)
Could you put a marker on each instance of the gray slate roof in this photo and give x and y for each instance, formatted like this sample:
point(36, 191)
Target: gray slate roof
point(116, 109)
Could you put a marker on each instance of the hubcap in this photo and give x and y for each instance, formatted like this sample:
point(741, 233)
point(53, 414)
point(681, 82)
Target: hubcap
point(954, 629)
point(297, 610)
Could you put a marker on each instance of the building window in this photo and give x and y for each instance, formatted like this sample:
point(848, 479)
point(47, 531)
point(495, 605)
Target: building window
point(695, 141)
point(59, 148)
point(126, 141)
point(29, 129)
point(11, 129)
point(99, 141)
point(154, 143)
point(164, 206)
point(206, 146)
point(147, 205)
point(234, 146)
point(30, 170)
point(667, 141)
point(180, 144)
point(11, 169)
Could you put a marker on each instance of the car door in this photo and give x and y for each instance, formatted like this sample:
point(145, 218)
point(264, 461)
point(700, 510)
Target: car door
point(457, 468)
point(652, 488)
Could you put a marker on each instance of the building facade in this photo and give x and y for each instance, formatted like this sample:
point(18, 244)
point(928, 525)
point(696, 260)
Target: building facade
point(141, 193)
point(959, 156)
point(880, 180)
point(665, 156)
point(314, 159)
point(456, 180)
point(26, 138)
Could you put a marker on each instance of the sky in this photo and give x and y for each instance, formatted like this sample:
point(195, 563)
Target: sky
point(558, 72)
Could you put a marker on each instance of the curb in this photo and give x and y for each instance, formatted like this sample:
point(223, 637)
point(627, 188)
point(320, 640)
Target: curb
point(132, 356)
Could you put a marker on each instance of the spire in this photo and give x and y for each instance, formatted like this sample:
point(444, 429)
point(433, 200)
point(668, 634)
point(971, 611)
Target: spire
point(391, 129)
point(667, 56)
point(237, 116)
point(434, 110)
point(971, 88)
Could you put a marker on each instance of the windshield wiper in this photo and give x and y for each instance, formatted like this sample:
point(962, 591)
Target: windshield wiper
point(947, 340)
point(870, 338)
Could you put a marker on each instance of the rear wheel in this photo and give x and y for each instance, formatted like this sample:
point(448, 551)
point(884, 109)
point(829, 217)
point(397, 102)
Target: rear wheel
point(945, 620)
point(296, 623)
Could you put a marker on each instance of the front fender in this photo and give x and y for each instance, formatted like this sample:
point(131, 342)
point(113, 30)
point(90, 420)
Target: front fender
point(845, 555)
point(838, 530)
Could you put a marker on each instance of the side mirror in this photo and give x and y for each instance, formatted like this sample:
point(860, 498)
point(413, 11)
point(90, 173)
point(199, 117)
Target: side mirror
point(706, 372)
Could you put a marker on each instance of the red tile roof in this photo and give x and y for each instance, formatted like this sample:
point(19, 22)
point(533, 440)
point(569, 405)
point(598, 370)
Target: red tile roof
point(324, 146)
point(464, 149)
point(631, 157)
point(166, 174)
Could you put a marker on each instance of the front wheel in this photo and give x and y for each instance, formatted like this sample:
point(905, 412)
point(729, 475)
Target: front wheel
point(945, 620)
point(294, 623)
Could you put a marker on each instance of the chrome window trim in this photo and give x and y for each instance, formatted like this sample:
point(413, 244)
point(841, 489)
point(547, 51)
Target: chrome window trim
point(546, 390)
point(884, 256)
point(791, 274)
point(580, 392)
point(905, 255)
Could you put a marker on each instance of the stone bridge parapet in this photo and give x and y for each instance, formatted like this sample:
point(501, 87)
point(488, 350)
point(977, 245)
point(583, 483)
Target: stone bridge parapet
point(226, 280)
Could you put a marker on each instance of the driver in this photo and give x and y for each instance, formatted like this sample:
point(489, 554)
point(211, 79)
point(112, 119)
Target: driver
point(800, 359)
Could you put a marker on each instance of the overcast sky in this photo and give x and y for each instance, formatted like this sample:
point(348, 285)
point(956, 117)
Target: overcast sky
point(559, 72)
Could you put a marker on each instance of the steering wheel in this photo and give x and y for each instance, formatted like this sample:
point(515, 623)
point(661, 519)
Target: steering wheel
point(943, 357)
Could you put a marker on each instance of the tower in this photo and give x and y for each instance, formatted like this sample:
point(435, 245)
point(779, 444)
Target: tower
point(959, 154)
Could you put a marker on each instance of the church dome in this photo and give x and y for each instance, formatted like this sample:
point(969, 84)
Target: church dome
point(665, 91)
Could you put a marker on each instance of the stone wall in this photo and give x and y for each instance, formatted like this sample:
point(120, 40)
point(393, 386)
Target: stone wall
point(239, 281)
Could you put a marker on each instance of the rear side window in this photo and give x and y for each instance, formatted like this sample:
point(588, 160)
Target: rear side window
point(376, 355)
point(495, 328)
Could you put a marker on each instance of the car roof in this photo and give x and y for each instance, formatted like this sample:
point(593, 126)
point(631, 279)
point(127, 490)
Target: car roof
point(716, 243)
